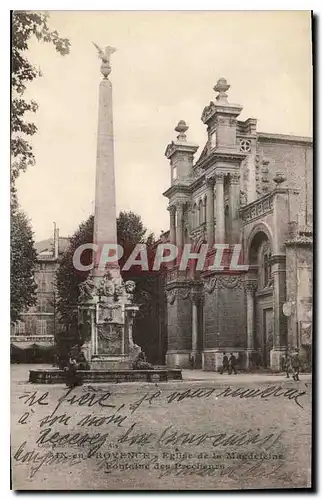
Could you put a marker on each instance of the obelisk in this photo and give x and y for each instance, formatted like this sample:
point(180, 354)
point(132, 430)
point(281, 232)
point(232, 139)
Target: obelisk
point(105, 228)
point(105, 300)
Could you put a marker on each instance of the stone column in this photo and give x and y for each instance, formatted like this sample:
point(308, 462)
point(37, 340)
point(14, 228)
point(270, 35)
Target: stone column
point(250, 287)
point(210, 212)
point(234, 207)
point(179, 226)
point(219, 179)
point(278, 263)
point(172, 224)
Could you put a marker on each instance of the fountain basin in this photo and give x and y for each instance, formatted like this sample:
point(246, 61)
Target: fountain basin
point(56, 376)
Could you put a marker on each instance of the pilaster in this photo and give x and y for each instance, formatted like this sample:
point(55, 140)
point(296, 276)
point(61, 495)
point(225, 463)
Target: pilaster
point(278, 263)
point(234, 203)
point(172, 223)
point(210, 211)
point(219, 198)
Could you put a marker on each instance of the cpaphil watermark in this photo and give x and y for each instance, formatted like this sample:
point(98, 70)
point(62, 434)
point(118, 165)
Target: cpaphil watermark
point(221, 256)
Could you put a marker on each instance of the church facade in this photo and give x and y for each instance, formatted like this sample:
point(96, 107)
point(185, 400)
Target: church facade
point(251, 189)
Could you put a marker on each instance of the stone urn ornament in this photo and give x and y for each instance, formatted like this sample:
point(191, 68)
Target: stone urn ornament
point(279, 178)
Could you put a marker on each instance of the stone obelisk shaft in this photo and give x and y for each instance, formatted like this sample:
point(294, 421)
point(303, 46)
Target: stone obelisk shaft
point(105, 227)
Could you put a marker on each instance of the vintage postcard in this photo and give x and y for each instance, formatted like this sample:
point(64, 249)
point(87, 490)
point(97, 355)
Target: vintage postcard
point(161, 250)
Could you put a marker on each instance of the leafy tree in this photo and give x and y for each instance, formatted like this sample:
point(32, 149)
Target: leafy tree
point(130, 231)
point(25, 26)
point(68, 278)
point(22, 265)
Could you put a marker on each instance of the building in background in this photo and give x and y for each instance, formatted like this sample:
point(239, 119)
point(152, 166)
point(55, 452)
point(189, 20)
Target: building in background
point(39, 324)
point(253, 189)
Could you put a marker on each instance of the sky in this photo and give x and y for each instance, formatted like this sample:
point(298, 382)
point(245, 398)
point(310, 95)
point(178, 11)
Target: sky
point(164, 70)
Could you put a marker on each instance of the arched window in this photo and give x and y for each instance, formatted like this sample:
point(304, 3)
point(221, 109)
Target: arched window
point(265, 265)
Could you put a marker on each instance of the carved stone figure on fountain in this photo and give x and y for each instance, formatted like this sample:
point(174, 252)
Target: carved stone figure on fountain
point(130, 287)
point(106, 287)
point(141, 363)
point(87, 290)
point(119, 290)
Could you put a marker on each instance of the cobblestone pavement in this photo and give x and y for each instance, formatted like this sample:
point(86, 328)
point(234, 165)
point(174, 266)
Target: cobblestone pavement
point(208, 431)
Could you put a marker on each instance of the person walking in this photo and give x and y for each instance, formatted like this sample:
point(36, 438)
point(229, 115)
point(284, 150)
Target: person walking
point(225, 364)
point(232, 364)
point(287, 365)
point(296, 363)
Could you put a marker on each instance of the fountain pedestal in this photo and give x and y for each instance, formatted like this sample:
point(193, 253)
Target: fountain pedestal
point(107, 307)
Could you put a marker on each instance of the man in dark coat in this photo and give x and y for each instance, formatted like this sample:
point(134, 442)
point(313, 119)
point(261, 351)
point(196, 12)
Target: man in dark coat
point(296, 364)
point(232, 364)
point(225, 364)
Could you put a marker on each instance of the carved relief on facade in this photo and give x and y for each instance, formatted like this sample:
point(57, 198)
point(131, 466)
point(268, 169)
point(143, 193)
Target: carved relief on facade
point(245, 145)
point(250, 286)
point(243, 198)
point(235, 178)
point(257, 169)
point(170, 295)
point(257, 209)
point(198, 232)
point(230, 282)
point(177, 293)
point(262, 174)
point(219, 177)
point(197, 296)
point(171, 276)
point(171, 148)
point(210, 285)
point(197, 172)
point(208, 112)
point(223, 282)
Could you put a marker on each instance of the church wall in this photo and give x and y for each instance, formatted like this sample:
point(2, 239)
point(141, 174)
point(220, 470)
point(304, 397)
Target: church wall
point(295, 161)
point(225, 315)
point(299, 282)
